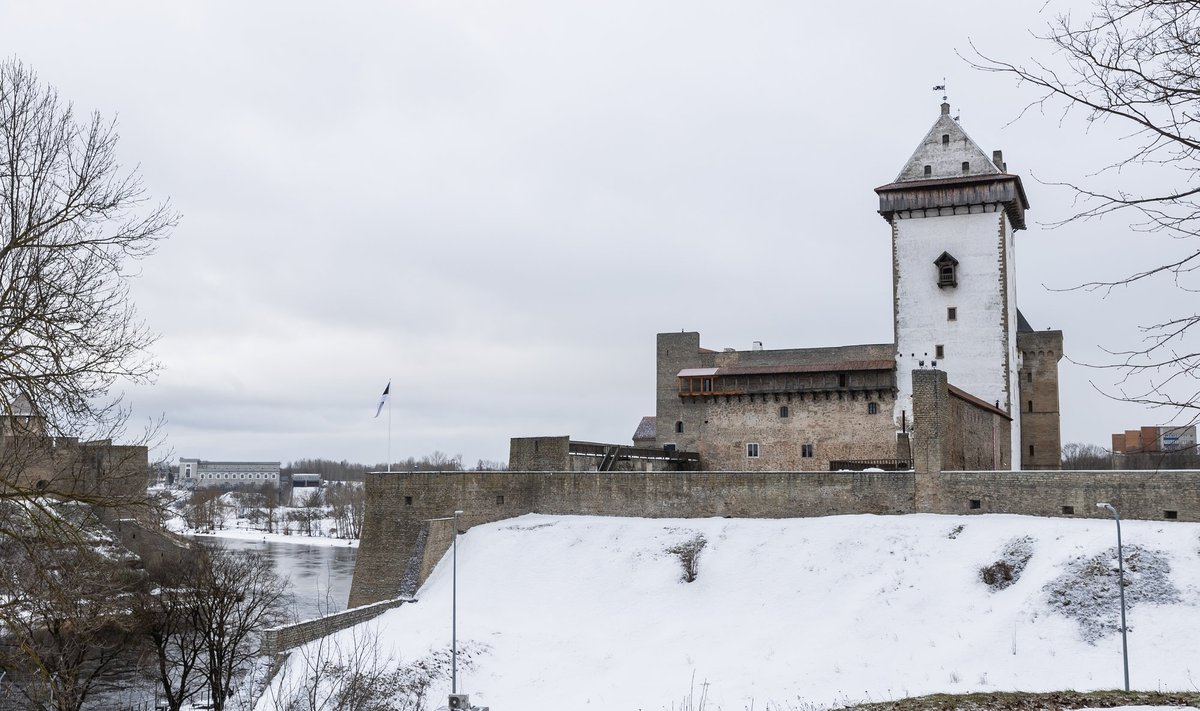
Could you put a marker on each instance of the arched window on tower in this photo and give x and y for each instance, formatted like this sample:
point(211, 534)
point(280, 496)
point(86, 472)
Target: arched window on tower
point(679, 426)
point(947, 270)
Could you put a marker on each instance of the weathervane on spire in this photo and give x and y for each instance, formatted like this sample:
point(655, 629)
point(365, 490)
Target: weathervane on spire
point(942, 88)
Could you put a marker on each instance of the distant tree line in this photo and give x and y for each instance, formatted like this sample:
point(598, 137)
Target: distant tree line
point(1088, 457)
point(331, 470)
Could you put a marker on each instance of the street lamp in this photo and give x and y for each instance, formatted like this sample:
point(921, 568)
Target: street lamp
point(453, 602)
point(1121, 584)
point(454, 613)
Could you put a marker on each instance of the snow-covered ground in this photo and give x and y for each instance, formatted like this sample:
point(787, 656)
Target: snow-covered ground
point(591, 612)
point(250, 534)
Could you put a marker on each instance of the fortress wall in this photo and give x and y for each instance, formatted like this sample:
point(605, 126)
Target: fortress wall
point(401, 503)
point(1146, 495)
point(391, 532)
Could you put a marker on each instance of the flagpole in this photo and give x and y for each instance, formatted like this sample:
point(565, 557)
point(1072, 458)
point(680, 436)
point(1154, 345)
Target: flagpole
point(389, 427)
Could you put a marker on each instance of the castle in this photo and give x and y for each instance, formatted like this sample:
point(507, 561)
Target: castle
point(954, 214)
point(948, 418)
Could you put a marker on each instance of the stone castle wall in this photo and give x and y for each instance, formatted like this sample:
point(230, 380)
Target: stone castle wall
point(949, 432)
point(401, 503)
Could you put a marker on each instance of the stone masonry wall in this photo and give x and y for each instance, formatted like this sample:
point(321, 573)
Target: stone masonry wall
point(539, 454)
point(1041, 439)
point(1146, 495)
point(400, 504)
point(833, 425)
point(279, 639)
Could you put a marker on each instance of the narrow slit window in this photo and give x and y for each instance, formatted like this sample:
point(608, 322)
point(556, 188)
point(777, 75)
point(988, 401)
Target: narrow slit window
point(679, 427)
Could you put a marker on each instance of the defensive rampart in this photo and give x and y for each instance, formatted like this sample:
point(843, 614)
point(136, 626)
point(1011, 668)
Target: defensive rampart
point(950, 431)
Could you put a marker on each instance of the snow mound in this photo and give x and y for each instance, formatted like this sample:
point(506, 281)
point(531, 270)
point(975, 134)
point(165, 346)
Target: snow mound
point(589, 612)
point(1089, 590)
point(1007, 570)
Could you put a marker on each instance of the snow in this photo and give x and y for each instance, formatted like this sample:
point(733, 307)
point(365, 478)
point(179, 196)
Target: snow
point(249, 534)
point(575, 612)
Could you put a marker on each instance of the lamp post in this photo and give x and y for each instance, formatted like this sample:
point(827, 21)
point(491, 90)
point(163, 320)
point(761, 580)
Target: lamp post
point(1121, 585)
point(453, 601)
point(454, 614)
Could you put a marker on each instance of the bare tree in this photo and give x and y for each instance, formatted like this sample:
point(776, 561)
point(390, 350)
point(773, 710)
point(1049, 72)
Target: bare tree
point(66, 632)
point(1135, 64)
point(236, 596)
point(71, 220)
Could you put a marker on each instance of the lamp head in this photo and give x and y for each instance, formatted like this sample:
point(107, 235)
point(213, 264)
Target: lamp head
point(1106, 506)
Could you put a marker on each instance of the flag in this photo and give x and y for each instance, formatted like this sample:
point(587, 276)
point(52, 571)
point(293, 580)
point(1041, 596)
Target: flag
point(383, 398)
point(940, 87)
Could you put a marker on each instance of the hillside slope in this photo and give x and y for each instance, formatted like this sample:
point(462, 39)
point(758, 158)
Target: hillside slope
point(574, 612)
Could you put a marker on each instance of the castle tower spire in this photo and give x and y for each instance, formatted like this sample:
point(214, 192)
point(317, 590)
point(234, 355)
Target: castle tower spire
point(954, 212)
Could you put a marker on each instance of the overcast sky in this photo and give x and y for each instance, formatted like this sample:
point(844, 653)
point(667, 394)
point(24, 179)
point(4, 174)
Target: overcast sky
point(497, 205)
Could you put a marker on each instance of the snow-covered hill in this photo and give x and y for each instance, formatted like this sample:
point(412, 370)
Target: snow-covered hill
point(591, 612)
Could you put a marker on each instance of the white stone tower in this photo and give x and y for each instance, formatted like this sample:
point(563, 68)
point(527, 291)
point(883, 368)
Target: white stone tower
point(953, 213)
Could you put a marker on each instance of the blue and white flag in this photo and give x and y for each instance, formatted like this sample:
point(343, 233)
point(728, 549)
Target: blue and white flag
point(383, 398)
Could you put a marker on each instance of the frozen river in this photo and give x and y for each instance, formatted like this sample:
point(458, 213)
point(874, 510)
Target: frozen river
point(319, 575)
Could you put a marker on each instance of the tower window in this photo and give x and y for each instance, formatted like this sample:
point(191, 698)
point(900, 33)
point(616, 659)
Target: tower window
point(1029, 405)
point(945, 139)
point(1031, 450)
point(1029, 376)
point(783, 411)
point(752, 449)
point(872, 408)
point(806, 451)
point(928, 170)
point(947, 270)
point(952, 313)
point(966, 167)
point(678, 426)
point(939, 351)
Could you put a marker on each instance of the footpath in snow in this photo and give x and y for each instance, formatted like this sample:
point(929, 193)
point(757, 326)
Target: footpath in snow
point(592, 612)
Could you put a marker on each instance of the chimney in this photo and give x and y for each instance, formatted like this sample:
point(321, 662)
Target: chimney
point(945, 108)
point(998, 159)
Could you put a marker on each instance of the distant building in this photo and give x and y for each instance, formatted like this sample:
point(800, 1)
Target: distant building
point(195, 473)
point(1156, 440)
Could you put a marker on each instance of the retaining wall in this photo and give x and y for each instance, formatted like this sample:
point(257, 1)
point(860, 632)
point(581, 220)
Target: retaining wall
point(279, 639)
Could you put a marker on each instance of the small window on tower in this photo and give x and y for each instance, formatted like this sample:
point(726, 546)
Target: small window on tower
point(928, 170)
point(939, 352)
point(806, 451)
point(872, 408)
point(945, 139)
point(947, 270)
point(784, 411)
point(952, 313)
point(966, 167)
point(752, 449)
point(679, 427)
